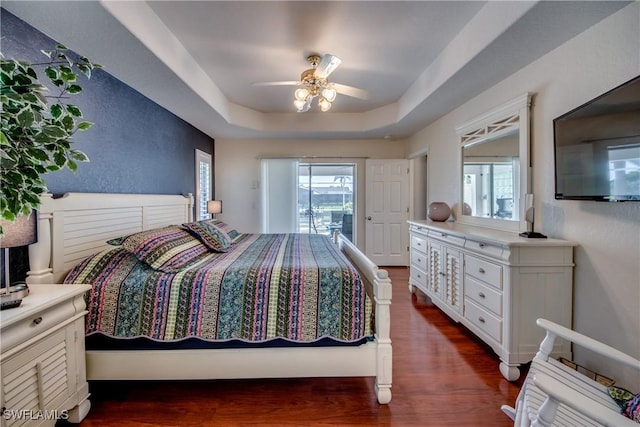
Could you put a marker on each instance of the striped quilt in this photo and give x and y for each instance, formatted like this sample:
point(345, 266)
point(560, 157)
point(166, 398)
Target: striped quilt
point(299, 287)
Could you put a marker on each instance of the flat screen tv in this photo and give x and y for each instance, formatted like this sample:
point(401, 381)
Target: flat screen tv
point(597, 147)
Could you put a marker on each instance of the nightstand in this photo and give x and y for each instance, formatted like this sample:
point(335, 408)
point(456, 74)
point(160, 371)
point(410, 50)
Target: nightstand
point(42, 360)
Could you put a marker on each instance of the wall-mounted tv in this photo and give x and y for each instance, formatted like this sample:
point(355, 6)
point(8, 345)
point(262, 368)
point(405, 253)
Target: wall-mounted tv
point(597, 147)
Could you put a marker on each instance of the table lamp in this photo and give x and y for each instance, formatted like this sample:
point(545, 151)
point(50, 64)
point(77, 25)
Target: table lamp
point(21, 232)
point(214, 207)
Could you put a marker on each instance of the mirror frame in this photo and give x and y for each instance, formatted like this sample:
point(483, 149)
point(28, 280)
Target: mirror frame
point(507, 118)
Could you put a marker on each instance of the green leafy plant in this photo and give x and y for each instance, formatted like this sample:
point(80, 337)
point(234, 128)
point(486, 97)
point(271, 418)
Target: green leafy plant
point(38, 126)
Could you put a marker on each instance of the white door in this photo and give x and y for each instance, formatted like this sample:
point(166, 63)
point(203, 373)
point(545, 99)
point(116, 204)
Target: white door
point(387, 211)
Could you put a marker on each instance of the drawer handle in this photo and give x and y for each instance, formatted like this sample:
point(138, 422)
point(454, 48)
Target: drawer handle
point(419, 276)
point(482, 245)
point(419, 244)
point(481, 295)
point(481, 270)
point(443, 234)
point(37, 320)
point(481, 319)
point(443, 274)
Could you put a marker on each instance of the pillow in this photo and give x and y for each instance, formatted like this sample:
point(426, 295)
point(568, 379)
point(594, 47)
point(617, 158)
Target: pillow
point(169, 249)
point(628, 402)
point(116, 241)
point(232, 233)
point(218, 223)
point(211, 236)
point(633, 408)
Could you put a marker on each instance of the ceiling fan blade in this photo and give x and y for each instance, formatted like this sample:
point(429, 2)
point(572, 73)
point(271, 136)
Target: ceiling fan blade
point(328, 63)
point(282, 83)
point(350, 91)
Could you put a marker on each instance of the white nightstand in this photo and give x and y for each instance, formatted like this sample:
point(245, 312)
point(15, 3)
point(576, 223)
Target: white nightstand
point(42, 361)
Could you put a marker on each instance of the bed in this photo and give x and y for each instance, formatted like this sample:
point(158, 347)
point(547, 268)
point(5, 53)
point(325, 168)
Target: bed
point(78, 225)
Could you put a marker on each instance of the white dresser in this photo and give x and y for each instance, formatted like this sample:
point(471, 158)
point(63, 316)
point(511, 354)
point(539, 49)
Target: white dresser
point(496, 283)
point(42, 361)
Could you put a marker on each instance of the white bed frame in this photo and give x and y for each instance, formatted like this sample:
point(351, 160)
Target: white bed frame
point(79, 224)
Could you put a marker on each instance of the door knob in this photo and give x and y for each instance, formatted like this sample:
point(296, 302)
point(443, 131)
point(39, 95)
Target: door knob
point(368, 218)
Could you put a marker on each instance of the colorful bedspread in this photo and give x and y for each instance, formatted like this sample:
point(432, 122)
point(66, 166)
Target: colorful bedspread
point(299, 287)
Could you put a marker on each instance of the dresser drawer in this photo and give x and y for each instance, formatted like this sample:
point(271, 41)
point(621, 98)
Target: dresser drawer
point(483, 320)
point(486, 271)
point(486, 296)
point(419, 243)
point(448, 238)
point(419, 260)
point(484, 248)
point(37, 323)
point(418, 277)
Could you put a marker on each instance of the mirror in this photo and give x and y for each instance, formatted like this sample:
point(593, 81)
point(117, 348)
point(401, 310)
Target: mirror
point(491, 178)
point(495, 167)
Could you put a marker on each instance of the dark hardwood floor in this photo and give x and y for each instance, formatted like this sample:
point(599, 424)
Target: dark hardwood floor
point(442, 375)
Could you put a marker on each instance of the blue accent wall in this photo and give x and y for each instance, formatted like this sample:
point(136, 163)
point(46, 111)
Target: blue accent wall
point(134, 146)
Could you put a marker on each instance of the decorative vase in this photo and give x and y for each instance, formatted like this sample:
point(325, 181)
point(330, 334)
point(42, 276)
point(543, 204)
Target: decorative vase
point(439, 211)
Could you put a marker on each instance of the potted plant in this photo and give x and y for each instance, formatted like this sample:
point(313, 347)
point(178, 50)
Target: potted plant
point(37, 126)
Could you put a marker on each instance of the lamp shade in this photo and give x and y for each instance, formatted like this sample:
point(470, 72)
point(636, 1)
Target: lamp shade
point(299, 104)
point(324, 104)
point(214, 206)
point(301, 94)
point(330, 94)
point(22, 232)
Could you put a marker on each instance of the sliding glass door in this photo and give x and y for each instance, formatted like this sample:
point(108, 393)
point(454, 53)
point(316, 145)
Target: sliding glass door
point(326, 198)
point(308, 197)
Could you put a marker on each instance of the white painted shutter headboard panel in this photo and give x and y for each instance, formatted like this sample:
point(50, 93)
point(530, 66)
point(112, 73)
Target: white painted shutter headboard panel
point(78, 225)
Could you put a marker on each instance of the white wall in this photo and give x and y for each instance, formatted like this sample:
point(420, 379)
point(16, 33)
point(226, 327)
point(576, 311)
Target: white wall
point(237, 171)
point(607, 272)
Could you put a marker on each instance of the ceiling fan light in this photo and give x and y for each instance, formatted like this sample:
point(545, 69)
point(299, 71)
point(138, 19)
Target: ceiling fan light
point(324, 104)
point(329, 93)
point(301, 94)
point(304, 105)
point(299, 104)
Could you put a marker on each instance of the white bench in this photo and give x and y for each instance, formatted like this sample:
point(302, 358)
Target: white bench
point(555, 395)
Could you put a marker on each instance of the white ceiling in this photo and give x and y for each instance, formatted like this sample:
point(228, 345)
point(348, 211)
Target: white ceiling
point(417, 59)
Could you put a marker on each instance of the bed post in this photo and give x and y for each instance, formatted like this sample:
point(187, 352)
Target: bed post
point(382, 295)
point(378, 279)
point(40, 270)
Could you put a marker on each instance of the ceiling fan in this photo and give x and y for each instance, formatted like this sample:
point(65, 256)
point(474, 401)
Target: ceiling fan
point(315, 83)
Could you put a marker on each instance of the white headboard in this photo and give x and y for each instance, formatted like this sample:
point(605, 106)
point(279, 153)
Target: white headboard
point(76, 225)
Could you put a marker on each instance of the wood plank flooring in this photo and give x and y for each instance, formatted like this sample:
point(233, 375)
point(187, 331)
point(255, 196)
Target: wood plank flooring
point(442, 376)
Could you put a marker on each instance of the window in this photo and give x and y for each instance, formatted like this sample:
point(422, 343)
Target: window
point(307, 197)
point(203, 184)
